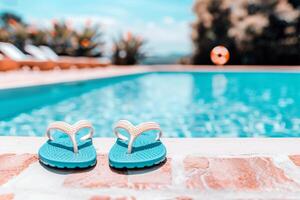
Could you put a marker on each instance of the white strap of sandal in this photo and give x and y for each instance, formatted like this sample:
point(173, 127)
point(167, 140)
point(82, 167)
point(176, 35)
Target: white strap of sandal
point(71, 130)
point(135, 131)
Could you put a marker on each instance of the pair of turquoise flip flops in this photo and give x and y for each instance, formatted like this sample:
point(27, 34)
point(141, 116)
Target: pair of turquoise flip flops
point(72, 148)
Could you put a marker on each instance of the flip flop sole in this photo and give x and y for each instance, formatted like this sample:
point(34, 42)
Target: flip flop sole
point(146, 153)
point(69, 166)
point(60, 154)
point(135, 165)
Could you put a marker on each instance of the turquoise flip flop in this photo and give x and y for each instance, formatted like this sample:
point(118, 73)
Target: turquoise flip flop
point(69, 148)
point(142, 149)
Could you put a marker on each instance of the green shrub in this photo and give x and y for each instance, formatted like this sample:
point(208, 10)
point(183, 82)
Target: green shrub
point(38, 36)
point(60, 37)
point(88, 42)
point(13, 30)
point(4, 35)
point(128, 50)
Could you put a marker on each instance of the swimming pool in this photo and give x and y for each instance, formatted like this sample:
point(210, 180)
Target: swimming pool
point(186, 104)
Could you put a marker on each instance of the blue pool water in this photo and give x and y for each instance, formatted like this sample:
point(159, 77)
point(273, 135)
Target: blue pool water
point(185, 104)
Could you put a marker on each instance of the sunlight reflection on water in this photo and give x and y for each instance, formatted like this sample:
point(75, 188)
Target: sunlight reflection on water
point(185, 104)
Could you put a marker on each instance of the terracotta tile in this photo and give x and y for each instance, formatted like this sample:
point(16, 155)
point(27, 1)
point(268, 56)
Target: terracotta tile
point(12, 165)
point(124, 198)
point(184, 198)
point(153, 178)
point(111, 198)
point(100, 198)
point(195, 167)
point(252, 173)
point(101, 176)
point(295, 159)
point(7, 196)
point(269, 174)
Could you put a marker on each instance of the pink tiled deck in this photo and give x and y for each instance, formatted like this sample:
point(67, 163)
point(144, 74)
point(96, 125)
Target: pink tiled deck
point(12, 165)
point(295, 159)
point(248, 173)
point(105, 177)
point(9, 196)
point(198, 172)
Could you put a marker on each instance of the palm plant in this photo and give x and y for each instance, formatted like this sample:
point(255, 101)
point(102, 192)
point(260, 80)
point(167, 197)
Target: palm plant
point(7, 18)
point(17, 34)
point(88, 42)
point(128, 50)
point(13, 29)
point(61, 38)
point(4, 35)
point(38, 36)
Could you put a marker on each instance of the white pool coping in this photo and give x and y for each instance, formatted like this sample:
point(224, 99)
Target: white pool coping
point(176, 146)
point(19, 79)
point(23, 78)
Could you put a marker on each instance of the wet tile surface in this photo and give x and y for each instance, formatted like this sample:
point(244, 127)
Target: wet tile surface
point(100, 197)
point(9, 196)
point(187, 177)
point(11, 165)
point(153, 178)
point(253, 173)
point(295, 159)
point(101, 176)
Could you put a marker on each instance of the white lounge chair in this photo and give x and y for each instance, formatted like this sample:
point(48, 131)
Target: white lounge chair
point(37, 53)
point(78, 61)
point(7, 64)
point(22, 59)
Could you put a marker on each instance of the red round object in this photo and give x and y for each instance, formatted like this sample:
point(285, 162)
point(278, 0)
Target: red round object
point(219, 55)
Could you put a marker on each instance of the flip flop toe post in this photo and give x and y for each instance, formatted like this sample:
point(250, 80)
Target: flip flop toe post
point(68, 148)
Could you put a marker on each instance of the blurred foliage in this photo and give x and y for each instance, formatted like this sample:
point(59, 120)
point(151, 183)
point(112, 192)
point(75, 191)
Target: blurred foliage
point(255, 32)
point(13, 29)
point(38, 36)
point(6, 18)
point(210, 30)
point(60, 37)
point(88, 42)
point(4, 35)
point(295, 3)
point(127, 50)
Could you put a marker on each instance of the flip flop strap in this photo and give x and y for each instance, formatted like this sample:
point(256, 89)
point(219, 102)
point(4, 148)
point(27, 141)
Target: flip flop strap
point(135, 131)
point(71, 131)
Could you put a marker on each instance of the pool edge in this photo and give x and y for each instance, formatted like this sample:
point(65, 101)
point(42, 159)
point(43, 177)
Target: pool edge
point(175, 146)
point(20, 79)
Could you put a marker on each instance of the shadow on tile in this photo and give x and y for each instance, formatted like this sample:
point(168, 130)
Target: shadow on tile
point(66, 171)
point(136, 171)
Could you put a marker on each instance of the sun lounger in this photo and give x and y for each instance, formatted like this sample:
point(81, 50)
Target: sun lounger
point(37, 53)
point(7, 64)
point(18, 56)
point(78, 61)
